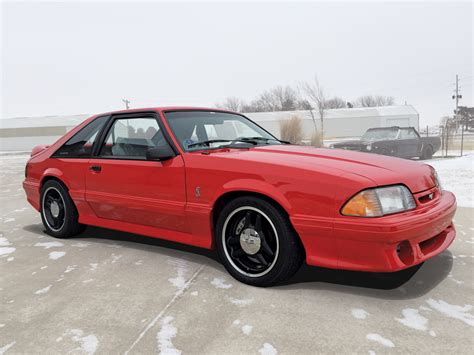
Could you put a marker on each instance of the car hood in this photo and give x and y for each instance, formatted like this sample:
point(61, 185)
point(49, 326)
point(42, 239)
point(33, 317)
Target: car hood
point(382, 170)
point(355, 142)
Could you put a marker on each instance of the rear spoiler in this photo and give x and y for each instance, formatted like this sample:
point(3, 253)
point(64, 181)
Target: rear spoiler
point(38, 149)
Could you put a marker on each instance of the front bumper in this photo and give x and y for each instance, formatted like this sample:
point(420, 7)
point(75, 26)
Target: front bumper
point(396, 242)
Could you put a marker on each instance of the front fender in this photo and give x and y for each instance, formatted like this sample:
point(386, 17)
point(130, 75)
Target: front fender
point(255, 186)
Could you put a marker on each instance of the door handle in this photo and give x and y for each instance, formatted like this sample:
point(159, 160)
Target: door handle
point(95, 168)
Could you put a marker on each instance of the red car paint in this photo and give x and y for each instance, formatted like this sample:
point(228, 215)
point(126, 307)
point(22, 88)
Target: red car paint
point(159, 199)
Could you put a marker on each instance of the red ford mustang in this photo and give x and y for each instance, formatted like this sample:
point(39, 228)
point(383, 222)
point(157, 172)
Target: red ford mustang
point(215, 179)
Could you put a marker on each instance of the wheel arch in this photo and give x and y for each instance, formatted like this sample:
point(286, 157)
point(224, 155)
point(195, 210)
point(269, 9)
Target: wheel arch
point(228, 196)
point(53, 174)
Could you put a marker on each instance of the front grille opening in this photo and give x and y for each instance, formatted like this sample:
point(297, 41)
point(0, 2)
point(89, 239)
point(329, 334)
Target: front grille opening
point(432, 244)
point(428, 197)
point(405, 253)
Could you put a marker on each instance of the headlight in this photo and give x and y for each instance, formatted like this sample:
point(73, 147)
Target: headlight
point(379, 202)
point(437, 179)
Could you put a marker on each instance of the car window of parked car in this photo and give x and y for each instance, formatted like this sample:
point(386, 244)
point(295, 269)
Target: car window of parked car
point(375, 134)
point(408, 133)
point(130, 138)
point(191, 127)
point(80, 145)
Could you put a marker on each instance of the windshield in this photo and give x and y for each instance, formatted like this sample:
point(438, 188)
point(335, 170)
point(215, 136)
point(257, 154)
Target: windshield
point(380, 134)
point(197, 130)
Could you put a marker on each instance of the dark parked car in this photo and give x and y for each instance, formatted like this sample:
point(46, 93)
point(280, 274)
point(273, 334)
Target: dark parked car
point(402, 142)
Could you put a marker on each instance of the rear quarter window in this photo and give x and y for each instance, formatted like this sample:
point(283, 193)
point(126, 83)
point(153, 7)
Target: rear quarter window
point(80, 145)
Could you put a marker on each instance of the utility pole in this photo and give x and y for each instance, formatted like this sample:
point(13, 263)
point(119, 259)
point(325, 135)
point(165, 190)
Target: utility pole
point(127, 103)
point(457, 95)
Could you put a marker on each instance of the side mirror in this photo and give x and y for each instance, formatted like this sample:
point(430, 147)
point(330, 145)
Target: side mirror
point(160, 153)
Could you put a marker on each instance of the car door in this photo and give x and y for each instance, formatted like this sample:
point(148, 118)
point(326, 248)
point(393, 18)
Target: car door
point(122, 185)
point(410, 143)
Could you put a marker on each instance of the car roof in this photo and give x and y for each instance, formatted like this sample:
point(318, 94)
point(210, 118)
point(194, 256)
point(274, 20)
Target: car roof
point(167, 109)
point(392, 127)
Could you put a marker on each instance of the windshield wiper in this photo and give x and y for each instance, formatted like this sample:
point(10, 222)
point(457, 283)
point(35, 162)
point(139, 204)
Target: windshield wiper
point(246, 139)
point(208, 142)
point(231, 141)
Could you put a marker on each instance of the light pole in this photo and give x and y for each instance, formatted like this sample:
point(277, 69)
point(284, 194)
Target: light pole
point(127, 103)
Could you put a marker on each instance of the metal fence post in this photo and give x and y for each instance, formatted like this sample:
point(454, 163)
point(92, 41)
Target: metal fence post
point(462, 138)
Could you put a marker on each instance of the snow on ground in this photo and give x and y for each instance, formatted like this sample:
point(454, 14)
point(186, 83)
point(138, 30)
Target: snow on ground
point(457, 176)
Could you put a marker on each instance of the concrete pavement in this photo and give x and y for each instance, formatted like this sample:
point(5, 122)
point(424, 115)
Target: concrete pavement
point(113, 292)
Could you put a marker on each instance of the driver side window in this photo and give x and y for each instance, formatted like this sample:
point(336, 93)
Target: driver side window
point(130, 138)
point(407, 134)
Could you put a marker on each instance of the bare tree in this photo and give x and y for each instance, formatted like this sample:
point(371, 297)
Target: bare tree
point(231, 103)
point(315, 94)
point(374, 100)
point(277, 99)
point(335, 102)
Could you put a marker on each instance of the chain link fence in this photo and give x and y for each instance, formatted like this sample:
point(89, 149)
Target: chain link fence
point(455, 142)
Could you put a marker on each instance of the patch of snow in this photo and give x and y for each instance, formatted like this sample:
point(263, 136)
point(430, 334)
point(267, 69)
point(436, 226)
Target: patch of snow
point(80, 245)
point(241, 303)
point(5, 348)
point(4, 242)
point(380, 339)
point(117, 285)
point(359, 313)
point(453, 311)
point(11, 258)
point(43, 290)
point(115, 258)
point(456, 176)
point(236, 322)
point(181, 269)
point(43, 267)
point(93, 266)
point(6, 250)
point(87, 281)
point(432, 333)
point(459, 282)
point(219, 282)
point(167, 332)
point(268, 349)
point(70, 268)
point(55, 255)
point(194, 293)
point(88, 343)
point(371, 352)
point(48, 245)
point(247, 329)
point(8, 220)
point(413, 319)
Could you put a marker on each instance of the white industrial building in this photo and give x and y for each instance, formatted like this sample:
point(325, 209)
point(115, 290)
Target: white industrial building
point(23, 133)
point(342, 123)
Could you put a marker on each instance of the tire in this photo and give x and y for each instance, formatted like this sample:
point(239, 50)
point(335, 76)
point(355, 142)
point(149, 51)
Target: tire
point(58, 212)
point(427, 153)
point(249, 229)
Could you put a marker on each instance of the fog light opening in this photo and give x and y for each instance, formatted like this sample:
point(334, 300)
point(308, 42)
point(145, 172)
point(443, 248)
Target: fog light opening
point(405, 252)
